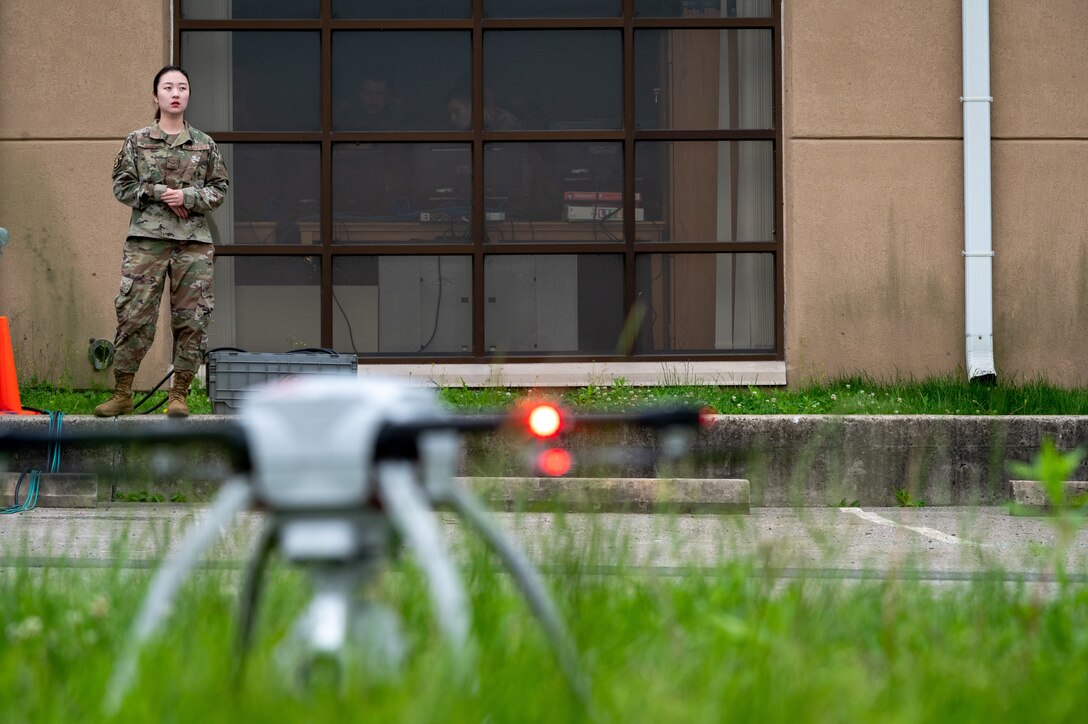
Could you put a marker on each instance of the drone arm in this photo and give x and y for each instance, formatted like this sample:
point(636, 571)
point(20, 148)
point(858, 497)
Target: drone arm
point(234, 496)
point(412, 516)
point(527, 579)
point(251, 591)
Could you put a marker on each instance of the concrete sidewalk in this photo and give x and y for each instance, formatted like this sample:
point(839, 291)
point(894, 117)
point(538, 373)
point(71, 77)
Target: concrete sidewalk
point(940, 543)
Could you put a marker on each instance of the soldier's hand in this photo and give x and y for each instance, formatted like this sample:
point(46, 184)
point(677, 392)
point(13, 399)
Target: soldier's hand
point(181, 211)
point(173, 198)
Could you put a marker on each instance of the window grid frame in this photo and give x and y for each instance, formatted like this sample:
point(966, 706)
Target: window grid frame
point(627, 23)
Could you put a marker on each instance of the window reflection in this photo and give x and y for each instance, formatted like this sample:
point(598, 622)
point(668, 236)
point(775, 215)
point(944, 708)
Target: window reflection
point(556, 303)
point(373, 181)
point(401, 192)
point(708, 190)
point(397, 81)
point(406, 305)
point(443, 179)
point(704, 79)
point(705, 302)
point(704, 8)
point(553, 79)
point(519, 182)
point(400, 9)
point(253, 81)
point(251, 291)
point(555, 191)
point(551, 8)
point(274, 188)
point(248, 9)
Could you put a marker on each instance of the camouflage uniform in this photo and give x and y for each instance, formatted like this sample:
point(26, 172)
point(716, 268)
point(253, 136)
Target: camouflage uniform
point(161, 243)
point(144, 269)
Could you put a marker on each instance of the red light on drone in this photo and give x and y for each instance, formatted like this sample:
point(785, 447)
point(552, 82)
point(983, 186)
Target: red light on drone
point(707, 415)
point(545, 420)
point(554, 462)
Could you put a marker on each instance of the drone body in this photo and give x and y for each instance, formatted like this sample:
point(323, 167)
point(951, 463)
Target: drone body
point(344, 468)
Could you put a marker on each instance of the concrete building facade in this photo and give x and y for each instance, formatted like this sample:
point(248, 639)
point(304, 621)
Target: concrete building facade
point(868, 272)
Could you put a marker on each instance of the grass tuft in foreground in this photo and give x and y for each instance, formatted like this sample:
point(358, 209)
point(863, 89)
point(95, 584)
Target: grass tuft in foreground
point(731, 645)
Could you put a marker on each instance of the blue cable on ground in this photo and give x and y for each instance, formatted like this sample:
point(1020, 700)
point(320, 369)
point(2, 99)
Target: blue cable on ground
point(34, 484)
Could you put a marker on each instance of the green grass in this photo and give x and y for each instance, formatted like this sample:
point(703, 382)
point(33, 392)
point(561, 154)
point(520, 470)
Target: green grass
point(731, 646)
point(848, 396)
point(54, 398)
point(905, 499)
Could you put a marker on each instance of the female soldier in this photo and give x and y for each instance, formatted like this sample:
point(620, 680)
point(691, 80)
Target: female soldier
point(171, 175)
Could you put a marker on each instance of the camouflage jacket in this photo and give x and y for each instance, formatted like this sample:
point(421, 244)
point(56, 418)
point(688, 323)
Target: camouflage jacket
point(147, 166)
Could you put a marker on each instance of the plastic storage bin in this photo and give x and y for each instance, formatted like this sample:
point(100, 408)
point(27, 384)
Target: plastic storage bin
point(230, 372)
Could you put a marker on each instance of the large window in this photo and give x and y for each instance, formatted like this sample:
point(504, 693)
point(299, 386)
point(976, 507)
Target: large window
point(494, 180)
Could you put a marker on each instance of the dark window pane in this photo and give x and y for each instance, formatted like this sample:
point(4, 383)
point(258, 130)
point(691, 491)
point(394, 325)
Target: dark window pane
point(266, 304)
point(394, 81)
point(704, 79)
point(519, 183)
point(443, 181)
point(402, 305)
point(400, 9)
point(253, 81)
point(708, 190)
point(553, 79)
point(249, 9)
point(560, 303)
point(274, 189)
point(401, 192)
point(373, 182)
point(704, 8)
point(551, 8)
point(557, 192)
point(705, 302)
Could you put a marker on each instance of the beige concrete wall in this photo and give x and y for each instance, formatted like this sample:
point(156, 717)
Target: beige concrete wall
point(872, 283)
point(74, 81)
point(1039, 68)
point(1041, 264)
point(858, 68)
point(873, 188)
point(873, 182)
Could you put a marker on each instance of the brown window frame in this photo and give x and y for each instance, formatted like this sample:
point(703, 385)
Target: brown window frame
point(479, 248)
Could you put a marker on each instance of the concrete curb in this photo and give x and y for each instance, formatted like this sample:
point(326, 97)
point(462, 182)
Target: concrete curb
point(634, 495)
point(790, 460)
point(56, 490)
point(1030, 495)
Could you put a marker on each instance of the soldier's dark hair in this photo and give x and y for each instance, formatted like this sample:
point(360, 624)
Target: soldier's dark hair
point(155, 84)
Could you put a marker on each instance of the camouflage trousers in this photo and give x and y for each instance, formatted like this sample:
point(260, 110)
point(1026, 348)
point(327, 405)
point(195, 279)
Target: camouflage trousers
point(145, 267)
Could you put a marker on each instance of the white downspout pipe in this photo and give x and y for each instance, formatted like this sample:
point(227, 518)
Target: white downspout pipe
point(978, 238)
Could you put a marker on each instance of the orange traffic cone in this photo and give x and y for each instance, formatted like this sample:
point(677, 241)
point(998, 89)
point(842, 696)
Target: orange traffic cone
point(9, 383)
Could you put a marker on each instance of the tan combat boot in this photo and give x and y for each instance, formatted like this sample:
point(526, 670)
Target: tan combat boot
point(121, 402)
point(179, 393)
